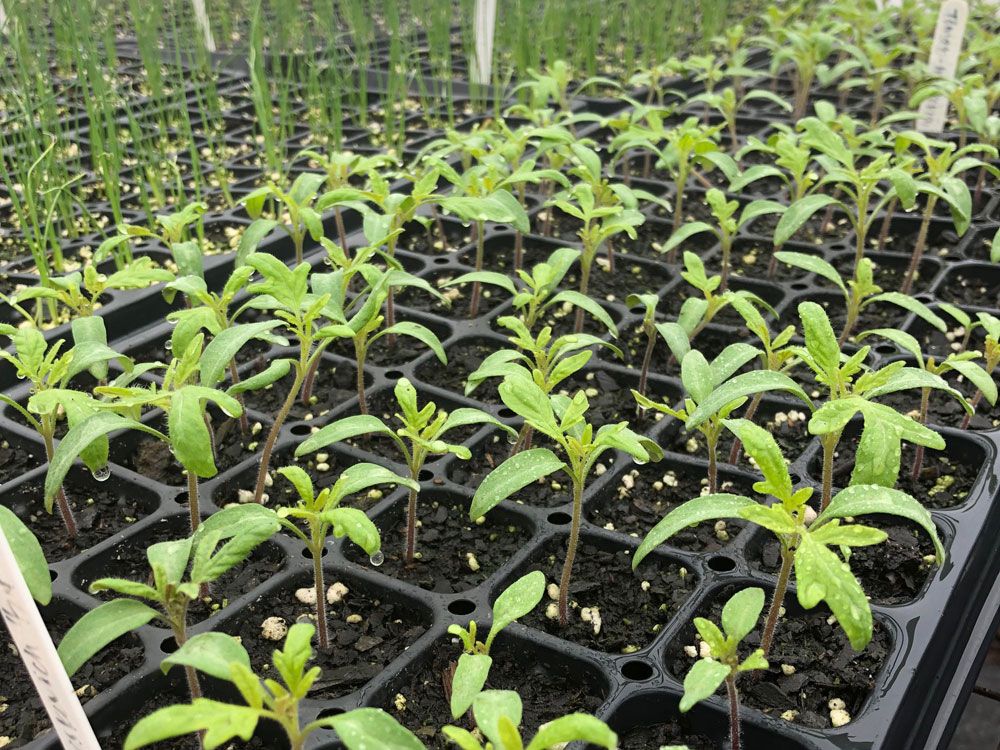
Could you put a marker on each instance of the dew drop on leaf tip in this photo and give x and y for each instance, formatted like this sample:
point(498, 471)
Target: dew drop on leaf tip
point(377, 559)
point(102, 473)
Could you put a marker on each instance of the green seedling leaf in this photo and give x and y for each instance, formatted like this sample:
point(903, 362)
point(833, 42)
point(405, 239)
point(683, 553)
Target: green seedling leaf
point(820, 575)
point(741, 612)
point(76, 441)
point(211, 653)
point(574, 728)
point(516, 601)
point(861, 500)
point(221, 722)
point(705, 677)
point(514, 474)
point(695, 511)
point(370, 728)
point(28, 555)
point(468, 681)
point(99, 627)
point(743, 386)
point(343, 429)
point(356, 526)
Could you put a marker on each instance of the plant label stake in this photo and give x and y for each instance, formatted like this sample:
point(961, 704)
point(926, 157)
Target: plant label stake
point(39, 656)
point(202, 17)
point(3, 17)
point(943, 61)
point(485, 24)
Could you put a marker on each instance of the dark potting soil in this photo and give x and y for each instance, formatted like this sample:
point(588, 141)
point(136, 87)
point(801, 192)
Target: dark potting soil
point(100, 511)
point(157, 351)
point(23, 717)
point(455, 554)
point(154, 459)
point(492, 451)
point(751, 258)
point(652, 236)
point(128, 560)
point(464, 358)
point(335, 385)
point(825, 666)
point(385, 352)
point(890, 271)
point(419, 243)
point(644, 495)
point(970, 286)
point(653, 736)
point(499, 253)
point(944, 482)
point(628, 276)
point(631, 612)
point(791, 435)
point(457, 301)
point(366, 633)
point(17, 459)
point(548, 690)
point(610, 400)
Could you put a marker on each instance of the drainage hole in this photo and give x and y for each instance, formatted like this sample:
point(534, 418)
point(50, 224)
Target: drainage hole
point(462, 607)
point(637, 670)
point(559, 518)
point(721, 564)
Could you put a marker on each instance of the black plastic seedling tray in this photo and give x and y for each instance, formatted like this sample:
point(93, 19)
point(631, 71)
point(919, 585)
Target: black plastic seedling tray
point(931, 642)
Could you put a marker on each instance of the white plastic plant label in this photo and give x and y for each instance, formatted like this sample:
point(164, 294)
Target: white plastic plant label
point(945, 49)
point(3, 17)
point(40, 658)
point(485, 24)
point(206, 29)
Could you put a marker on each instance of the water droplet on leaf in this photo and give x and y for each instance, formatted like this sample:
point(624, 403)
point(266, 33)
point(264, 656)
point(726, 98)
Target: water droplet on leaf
point(377, 559)
point(102, 473)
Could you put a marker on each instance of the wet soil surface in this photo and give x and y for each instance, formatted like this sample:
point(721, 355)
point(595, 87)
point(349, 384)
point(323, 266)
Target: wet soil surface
point(455, 554)
point(366, 633)
point(633, 606)
point(825, 666)
point(24, 717)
